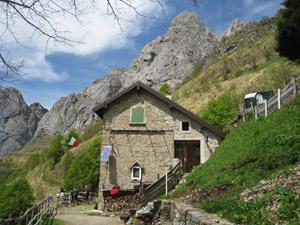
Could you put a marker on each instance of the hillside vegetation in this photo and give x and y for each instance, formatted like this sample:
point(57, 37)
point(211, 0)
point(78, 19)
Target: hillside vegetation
point(43, 163)
point(244, 63)
point(252, 152)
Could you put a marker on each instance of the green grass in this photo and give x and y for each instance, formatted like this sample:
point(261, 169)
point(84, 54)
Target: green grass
point(273, 59)
point(251, 152)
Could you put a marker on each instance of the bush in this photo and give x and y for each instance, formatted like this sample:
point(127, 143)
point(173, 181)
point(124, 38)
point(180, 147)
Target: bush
point(222, 110)
point(84, 170)
point(56, 150)
point(72, 133)
point(280, 75)
point(165, 88)
point(15, 198)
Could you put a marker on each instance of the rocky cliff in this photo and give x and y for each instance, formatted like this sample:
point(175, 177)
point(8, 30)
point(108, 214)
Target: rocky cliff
point(167, 59)
point(236, 25)
point(18, 121)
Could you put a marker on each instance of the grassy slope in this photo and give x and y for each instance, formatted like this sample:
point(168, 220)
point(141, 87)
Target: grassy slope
point(250, 153)
point(258, 45)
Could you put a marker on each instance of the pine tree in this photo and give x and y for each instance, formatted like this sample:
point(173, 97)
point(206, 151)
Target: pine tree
point(288, 25)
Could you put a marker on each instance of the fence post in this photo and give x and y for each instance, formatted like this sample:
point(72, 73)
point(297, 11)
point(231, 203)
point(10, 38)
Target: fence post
point(20, 216)
point(27, 216)
point(279, 98)
point(295, 86)
point(32, 211)
point(266, 108)
point(242, 111)
point(252, 109)
point(256, 116)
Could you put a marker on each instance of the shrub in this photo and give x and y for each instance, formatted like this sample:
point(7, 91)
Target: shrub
point(15, 198)
point(72, 133)
point(222, 110)
point(280, 75)
point(165, 88)
point(84, 170)
point(56, 150)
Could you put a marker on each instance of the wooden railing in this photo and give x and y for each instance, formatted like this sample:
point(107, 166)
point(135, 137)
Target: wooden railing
point(276, 102)
point(158, 188)
point(33, 215)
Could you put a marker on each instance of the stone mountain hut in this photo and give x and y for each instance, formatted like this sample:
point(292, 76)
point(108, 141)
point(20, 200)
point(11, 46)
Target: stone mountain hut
point(146, 130)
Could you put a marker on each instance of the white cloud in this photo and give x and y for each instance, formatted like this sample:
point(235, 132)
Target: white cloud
point(249, 1)
point(266, 7)
point(39, 68)
point(98, 30)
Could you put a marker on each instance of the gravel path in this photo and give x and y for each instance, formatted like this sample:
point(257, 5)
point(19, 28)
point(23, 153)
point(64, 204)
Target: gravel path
point(71, 219)
point(79, 216)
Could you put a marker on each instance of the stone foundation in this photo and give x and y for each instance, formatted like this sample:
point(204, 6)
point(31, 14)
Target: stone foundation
point(178, 213)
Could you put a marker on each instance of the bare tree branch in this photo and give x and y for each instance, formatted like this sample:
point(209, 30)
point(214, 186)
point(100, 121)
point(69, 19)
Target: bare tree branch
point(42, 17)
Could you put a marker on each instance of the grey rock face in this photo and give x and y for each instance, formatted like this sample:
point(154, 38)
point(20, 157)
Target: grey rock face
point(236, 25)
point(18, 122)
point(167, 59)
point(69, 112)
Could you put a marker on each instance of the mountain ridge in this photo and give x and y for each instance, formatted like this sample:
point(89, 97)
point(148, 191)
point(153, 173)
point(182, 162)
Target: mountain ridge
point(167, 59)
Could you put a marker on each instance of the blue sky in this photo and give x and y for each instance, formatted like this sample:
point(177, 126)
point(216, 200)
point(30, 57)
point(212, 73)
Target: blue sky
point(62, 70)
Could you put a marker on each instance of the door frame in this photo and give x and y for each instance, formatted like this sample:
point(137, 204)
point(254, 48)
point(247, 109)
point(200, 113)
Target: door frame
point(185, 141)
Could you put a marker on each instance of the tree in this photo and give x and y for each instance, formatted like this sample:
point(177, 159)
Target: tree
point(84, 170)
point(288, 25)
point(15, 198)
point(222, 110)
point(74, 134)
point(280, 75)
point(46, 18)
point(165, 88)
point(56, 149)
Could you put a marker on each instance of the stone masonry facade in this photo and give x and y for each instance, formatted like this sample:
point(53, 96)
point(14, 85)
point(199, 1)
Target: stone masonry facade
point(150, 144)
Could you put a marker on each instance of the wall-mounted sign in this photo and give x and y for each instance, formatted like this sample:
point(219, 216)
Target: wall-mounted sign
point(106, 153)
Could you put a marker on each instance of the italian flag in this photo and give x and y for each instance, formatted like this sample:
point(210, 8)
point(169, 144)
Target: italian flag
point(73, 141)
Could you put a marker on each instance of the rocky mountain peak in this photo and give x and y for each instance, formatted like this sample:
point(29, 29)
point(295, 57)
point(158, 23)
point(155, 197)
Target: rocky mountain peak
point(38, 109)
point(236, 25)
point(18, 122)
point(187, 19)
point(167, 59)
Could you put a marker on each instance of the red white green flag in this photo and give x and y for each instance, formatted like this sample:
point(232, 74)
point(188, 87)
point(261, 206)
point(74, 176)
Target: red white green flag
point(73, 141)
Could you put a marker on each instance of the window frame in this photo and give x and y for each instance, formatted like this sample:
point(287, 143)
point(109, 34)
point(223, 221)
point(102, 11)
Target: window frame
point(189, 123)
point(132, 173)
point(131, 115)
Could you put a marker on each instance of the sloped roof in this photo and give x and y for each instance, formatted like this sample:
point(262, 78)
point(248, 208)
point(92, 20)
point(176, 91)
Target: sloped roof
point(99, 109)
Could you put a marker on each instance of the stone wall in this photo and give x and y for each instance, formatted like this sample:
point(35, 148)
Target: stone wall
point(150, 144)
point(178, 213)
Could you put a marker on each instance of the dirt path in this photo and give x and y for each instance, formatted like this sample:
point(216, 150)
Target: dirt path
point(79, 216)
point(71, 219)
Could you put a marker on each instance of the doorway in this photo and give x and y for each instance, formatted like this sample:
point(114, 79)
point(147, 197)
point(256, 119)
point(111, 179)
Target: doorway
point(189, 153)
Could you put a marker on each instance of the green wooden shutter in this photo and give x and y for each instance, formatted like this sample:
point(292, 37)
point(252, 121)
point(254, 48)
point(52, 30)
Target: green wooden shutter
point(137, 115)
point(141, 115)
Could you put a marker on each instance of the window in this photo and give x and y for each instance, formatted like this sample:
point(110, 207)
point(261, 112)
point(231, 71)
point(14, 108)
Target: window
point(136, 172)
point(137, 115)
point(185, 126)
